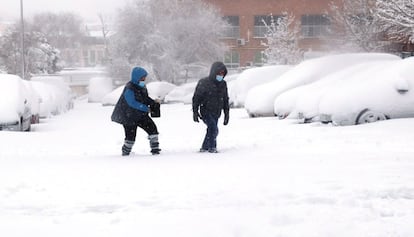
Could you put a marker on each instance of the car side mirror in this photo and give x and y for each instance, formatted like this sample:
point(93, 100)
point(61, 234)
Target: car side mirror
point(402, 86)
point(402, 91)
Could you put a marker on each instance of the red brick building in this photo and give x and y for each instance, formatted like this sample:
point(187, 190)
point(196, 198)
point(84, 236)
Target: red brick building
point(246, 32)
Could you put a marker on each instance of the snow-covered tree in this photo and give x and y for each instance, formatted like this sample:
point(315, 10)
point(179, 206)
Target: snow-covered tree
point(361, 27)
point(40, 56)
point(281, 40)
point(63, 30)
point(103, 19)
point(128, 44)
point(165, 37)
point(398, 18)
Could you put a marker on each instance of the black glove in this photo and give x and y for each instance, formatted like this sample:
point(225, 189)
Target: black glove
point(226, 118)
point(196, 115)
point(155, 110)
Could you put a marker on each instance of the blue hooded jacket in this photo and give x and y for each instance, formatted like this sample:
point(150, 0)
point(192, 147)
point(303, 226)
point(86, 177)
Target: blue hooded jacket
point(134, 101)
point(129, 94)
point(137, 73)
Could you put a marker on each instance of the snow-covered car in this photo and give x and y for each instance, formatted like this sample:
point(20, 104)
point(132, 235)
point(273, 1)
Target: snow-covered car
point(380, 93)
point(181, 94)
point(159, 89)
point(49, 103)
point(63, 96)
point(15, 111)
point(34, 101)
point(261, 99)
point(252, 77)
point(98, 88)
point(112, 97)
point(285, 103)
point(303, 101)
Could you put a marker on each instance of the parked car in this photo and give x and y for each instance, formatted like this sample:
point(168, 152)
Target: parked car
point(305, 105)
point(253, 77)
point(15, 111)
point(34, 100)
point(98, 88)
point(386, 92)
point(49, 104)
point(63, 96)
point(112, 97)
point(261, 100)
point(159, 89)
point(181, 94)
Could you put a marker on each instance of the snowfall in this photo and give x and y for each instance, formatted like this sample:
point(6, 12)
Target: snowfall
point(271, 178)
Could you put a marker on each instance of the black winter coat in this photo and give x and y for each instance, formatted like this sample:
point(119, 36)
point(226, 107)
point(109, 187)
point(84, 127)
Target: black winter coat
point(130, 109)
point(210, 95)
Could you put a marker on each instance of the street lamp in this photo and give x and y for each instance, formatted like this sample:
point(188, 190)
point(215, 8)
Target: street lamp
point(22, 39)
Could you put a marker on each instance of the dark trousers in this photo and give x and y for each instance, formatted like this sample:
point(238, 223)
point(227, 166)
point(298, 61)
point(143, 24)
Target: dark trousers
point(145, 123)
point(210, 140)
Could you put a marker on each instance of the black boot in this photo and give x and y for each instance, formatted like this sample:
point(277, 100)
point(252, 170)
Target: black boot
point(127, 147)
point(154, 144)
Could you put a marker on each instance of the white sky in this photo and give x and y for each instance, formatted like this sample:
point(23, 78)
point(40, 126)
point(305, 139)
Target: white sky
point(88, 9)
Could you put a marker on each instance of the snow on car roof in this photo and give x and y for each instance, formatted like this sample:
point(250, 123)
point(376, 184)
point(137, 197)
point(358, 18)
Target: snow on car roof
point(12, 92)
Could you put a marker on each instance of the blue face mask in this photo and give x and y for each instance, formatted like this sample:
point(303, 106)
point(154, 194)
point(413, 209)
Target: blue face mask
point(219, 77)
point(141, 84)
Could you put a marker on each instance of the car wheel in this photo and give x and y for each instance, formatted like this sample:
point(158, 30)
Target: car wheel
point(22, 125)
point(307, 120)
point(283, 116)
point(28, 128)
point(369, 116)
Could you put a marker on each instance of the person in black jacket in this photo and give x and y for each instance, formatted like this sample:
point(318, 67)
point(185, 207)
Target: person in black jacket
point(210, 97)
point(132, 110)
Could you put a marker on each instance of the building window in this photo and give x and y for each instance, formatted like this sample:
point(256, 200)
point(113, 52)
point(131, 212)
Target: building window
point(85, 53)
point(92, 58)
point(85, 56)
point(232, 59)
point(233, 29)
point(315, 26)
point(100, 56)
point(258, 59)
point(260, 28)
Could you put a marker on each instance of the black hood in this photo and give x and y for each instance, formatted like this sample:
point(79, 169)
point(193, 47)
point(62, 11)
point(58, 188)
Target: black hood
point(217, 67)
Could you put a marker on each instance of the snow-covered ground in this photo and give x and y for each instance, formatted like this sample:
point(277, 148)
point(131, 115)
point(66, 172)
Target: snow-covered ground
point(272, 178)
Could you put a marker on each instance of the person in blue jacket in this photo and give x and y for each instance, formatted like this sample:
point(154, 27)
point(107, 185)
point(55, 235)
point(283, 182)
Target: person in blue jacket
point(132, 110)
